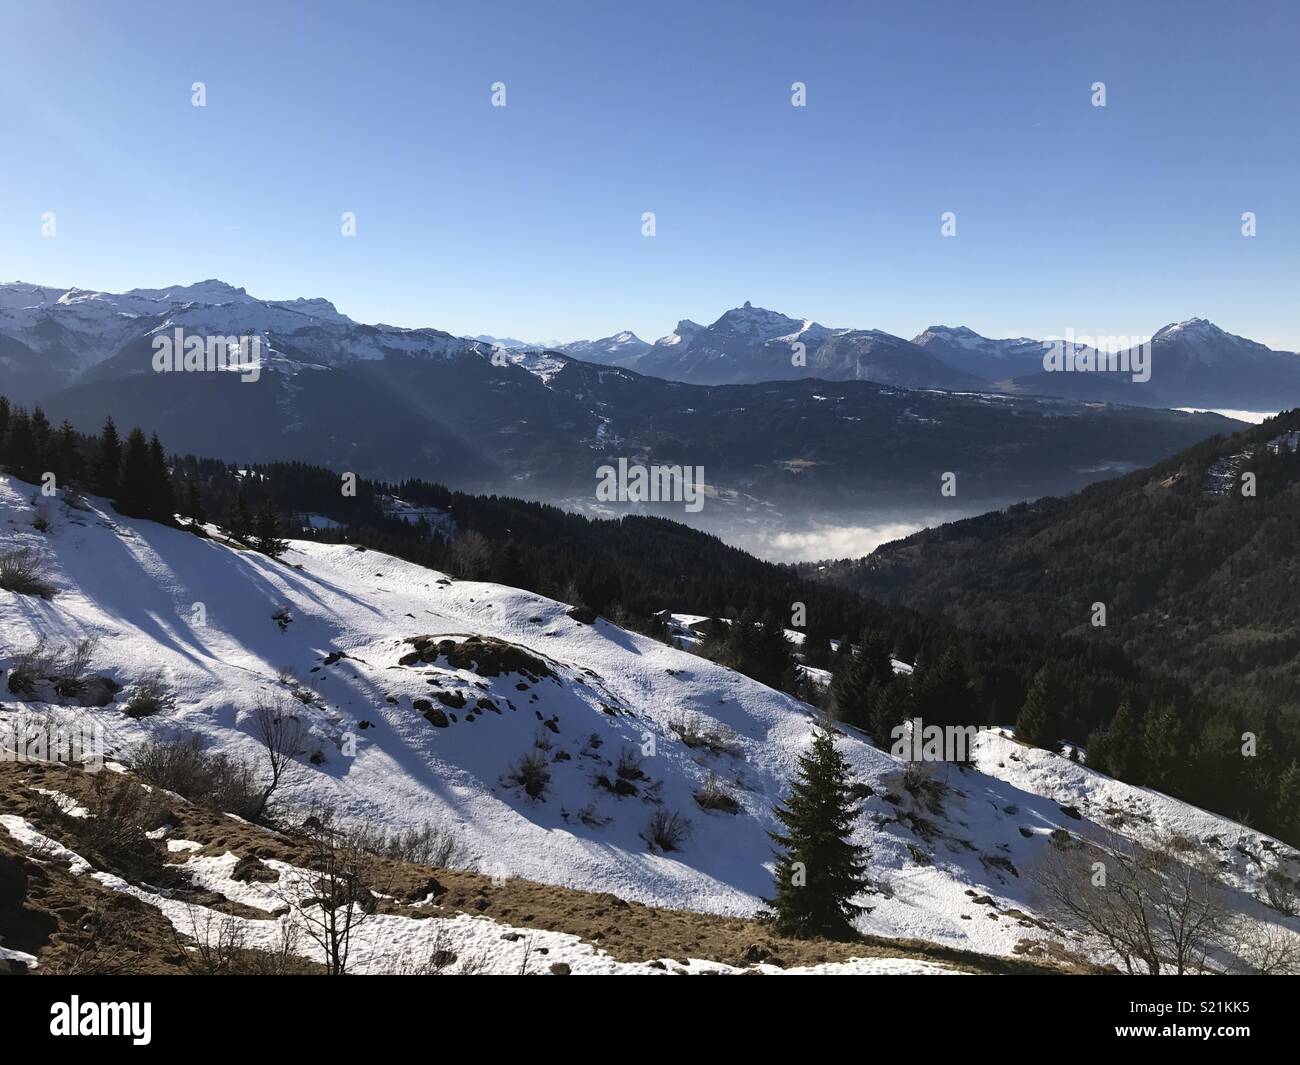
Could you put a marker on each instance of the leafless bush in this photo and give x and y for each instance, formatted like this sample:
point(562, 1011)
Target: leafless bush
point(330, 896)
point(666, 830)
point(1158, 909)
point(430, 845)
point(63, 668)
point(283, 739)
point(699, 732)
point(532, 773)
point(216, 944)
point(1282, 893)
point(212, 942)
point(1263, 948)
point(150, 696)
point(441, 960)
point(629, 764)
point(713, 796)
point(24, 571)
point(211, 779)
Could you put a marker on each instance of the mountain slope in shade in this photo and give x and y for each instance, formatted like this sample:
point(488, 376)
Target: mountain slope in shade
point(991, 360)
point(439, 729)
point(1192, 364)
point(751, 344)
point(1199, 580)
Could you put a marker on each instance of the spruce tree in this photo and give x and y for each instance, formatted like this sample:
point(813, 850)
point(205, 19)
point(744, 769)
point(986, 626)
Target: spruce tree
point(110, 460)
point(818, 870)
point(1117, 748)
point(162, 498)
point(893, 705)
point(942, 691)
point(135, 482)
point(1038, 722)
point(67, 462)
point(266, 532)
point(238, 520)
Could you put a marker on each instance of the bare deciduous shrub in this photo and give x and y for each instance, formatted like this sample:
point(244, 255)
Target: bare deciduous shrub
point(283, 739)
point(330, 896)
point(24, 571)
point(532, 773)
point(1282, 893)
point(666, 830)
point(63, 668)
point(1263, 948)
point(441, 960)
point(432, 845)
point(629, 764)
point(216, 944)
point(150, 696)
point(211, 779)
point(1158, 909)
point(700, 732)
point(713, 796)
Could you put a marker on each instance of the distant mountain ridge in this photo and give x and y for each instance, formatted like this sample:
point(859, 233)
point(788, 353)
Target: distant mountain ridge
point(394, 402)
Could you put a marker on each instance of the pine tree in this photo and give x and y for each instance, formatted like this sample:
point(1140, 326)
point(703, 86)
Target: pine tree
point(162, 497)
point(192, 502)
point(238, 520)
point(1119, 751)
point(818, 870)
point(266, 532)
point(110, 460)
point(1164, 748)
point(893, 705)
point(135, 482)
point(67, 462)
point(1288, 804)
point(942, 691)
point(1038, 722)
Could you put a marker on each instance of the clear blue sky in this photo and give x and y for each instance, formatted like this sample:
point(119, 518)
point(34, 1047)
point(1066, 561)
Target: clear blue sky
point(525, 221)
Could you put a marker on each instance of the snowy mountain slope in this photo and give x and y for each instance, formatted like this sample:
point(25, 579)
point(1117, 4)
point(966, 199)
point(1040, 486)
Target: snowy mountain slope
point(56, 337)
point(621, 349)
point(440, 727)
point(992, 360)
point(1191, 362)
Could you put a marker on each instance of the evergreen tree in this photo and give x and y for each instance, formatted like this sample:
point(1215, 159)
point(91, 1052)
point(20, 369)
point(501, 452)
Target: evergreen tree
point(266, 532)
point(110, 460)
point(67, 462)
point(1288, 804)
point(1117, 750)
point(162, 497)
point(1164, 749)
point(818, 870)
point(1039, 722)
point(20, 447)
point(892, 706)
point(192, 502)
point(942, 691)
point(238, 520)
point(135, 482)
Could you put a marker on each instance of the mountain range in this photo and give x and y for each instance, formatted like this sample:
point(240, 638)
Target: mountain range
point(863, 421)
point(1193, 363)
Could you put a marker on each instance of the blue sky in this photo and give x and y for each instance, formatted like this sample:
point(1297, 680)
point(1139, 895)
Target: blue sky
point(526, 220)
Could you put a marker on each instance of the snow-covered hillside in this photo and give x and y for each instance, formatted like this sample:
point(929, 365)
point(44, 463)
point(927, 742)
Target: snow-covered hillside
point(423, 693)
